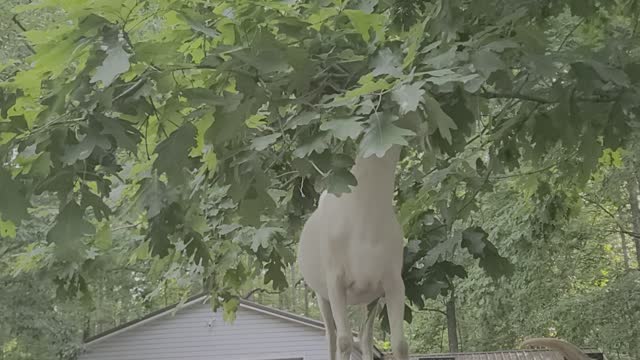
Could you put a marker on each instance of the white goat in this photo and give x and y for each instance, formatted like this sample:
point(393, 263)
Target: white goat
point(351, 253)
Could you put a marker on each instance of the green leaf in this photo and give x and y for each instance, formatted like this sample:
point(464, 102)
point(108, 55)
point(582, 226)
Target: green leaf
point(100, 209)
point(475, 240)
point(382, 134)
point(7, 229)
point(433, 289)
point(608, 73)
point(487, 62)
point(340, 181)
point(445, 76)
point(267, 55)
point(123, 132)
point(116, 63)
point(262, 237)
point(256, 121)
point(343, 128)
point(442, 251)
point(363, 22)
point(226, 126)
point(173, 153)
point(436, 115)
point(199, 27)
point(386, 63)
point(85, 147)
point(230, 308)
point(316, 143)
point(442, 60)
point(103, 240)
point(367, 86)
point(197, 250)
point(408, 96)
point(416, 35)
point(152, 196)
point(304, 118)
point(263, 142)
point(275, 273)
point(69, 231)
point(14, 204)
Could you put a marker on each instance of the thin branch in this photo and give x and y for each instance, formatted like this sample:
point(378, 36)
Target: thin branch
point(549, 167)
point(494, 95)
point(300, 281)
point(131, 89)
point(500, 177)
point(612, 216)
point(622, 231)
point(566, 38)
point(127, 226)
point(259, 290)
point(11, 249)
point(434, 310)
point(19, 24)
point(542, 100)
point(129, 269)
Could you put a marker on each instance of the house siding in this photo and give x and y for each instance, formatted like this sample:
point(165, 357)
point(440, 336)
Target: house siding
point(195, 332)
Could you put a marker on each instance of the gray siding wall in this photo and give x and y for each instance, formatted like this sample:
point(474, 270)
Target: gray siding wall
point(195, 332)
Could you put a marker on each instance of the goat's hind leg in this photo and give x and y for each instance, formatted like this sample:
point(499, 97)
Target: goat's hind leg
point(394, 297)
point(329, 324)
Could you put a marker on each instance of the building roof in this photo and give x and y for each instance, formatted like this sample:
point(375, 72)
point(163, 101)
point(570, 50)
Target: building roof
point(199, 299)
point(522, 354)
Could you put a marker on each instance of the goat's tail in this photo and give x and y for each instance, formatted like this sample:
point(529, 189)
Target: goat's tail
point(566, 349)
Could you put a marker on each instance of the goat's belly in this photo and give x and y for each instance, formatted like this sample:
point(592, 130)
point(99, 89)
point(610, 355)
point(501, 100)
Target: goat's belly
point(364, 294)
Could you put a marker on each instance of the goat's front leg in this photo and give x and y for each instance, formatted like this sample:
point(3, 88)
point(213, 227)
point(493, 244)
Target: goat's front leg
point(338, 300)
point(329, 325)
point(394, 296)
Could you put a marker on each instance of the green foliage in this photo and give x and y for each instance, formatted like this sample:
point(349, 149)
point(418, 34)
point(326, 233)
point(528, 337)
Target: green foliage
point(204, 129)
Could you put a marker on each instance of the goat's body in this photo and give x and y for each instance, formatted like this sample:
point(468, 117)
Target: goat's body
point(351, 252)
point(361, 266)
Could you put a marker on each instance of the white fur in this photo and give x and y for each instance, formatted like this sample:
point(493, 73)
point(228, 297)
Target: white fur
point(351, 253)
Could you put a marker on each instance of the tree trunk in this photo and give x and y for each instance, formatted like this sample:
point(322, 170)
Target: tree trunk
point(452, 324)
point(625, 250)
point(632, 186)
point(292, 274)
point(306, 299)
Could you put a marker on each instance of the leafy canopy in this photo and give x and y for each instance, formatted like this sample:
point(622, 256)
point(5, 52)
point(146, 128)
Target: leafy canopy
point(205, 124)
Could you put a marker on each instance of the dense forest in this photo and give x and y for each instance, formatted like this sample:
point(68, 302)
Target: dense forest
point(155, 149)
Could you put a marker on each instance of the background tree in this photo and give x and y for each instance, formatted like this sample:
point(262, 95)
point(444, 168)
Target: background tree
point(178, 146)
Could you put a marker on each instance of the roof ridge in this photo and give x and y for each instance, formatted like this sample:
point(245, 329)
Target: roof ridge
point(192, 300)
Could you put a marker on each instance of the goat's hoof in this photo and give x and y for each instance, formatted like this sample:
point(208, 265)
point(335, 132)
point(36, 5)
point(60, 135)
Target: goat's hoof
point(345, 343)
point(401, 350)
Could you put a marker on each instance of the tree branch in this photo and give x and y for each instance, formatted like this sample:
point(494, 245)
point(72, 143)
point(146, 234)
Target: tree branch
point(11, 249)
point(19, 24)
point(542, 100)
point(615, 219)
point(566, 38)
point(434, 310)
point(259, 290)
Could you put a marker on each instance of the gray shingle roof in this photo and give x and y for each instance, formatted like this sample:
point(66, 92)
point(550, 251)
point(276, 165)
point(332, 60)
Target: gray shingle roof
point(494, 355)
point(528, 354)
